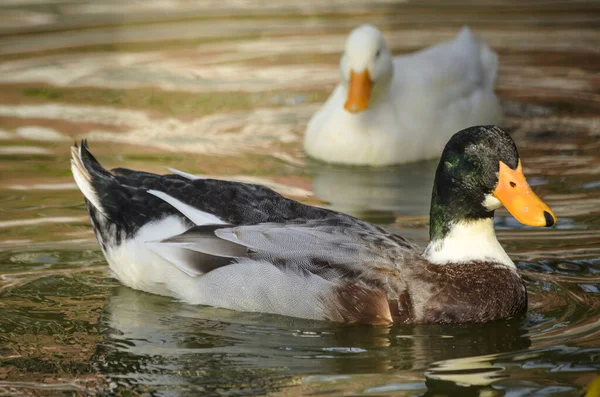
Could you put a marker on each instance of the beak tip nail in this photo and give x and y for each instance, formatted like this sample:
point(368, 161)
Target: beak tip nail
point(549, 219)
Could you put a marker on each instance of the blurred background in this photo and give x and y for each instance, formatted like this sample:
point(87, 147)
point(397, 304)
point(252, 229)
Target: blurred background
point(225, 89)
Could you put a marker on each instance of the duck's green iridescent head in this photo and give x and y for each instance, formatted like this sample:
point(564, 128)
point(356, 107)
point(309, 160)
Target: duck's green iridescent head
point(480, 171)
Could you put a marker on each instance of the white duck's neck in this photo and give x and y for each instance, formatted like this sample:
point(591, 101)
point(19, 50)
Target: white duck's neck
point(381, 91)
point(468, 241)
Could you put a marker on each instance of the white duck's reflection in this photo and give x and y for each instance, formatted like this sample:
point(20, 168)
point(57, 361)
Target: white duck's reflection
point(375, 194)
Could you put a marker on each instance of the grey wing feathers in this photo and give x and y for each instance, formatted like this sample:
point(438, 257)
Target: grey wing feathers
point(192, 263)
point(197, 251)
point(202, 239)
point(334, 244)
point(331, 251)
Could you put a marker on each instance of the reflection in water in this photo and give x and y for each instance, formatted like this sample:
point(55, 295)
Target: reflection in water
point(145, 334)
point(150, 339)
point(470, 371)
point(225, 87)
point(377, 194)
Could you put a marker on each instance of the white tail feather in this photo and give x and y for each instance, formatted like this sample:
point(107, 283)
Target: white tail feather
point(83, 179)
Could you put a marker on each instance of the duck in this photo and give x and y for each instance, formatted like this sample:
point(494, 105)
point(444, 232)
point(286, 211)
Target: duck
point(392, 110)
point(245, 247)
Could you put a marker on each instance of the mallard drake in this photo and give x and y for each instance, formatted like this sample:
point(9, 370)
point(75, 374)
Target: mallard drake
point(245, 247)
point(390, 110)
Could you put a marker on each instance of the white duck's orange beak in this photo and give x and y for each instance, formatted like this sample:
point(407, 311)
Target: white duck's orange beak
point(359, 92)
point(516, 196)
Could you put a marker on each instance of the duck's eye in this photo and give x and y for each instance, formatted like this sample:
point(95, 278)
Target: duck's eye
point(512, 184)
point(377, 53)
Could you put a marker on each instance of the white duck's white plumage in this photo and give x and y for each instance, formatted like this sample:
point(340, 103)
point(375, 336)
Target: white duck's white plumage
point(416, 102)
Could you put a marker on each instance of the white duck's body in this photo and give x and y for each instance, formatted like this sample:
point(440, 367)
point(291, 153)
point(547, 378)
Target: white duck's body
point(416, 102)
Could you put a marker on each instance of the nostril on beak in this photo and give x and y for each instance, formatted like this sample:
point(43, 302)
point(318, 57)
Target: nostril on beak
point(549, 219)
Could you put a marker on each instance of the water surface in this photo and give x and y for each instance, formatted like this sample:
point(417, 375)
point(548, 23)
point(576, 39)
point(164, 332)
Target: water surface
point(225, 88)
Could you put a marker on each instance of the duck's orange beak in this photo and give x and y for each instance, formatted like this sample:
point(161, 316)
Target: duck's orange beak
point(514, 193)
point(359, 92)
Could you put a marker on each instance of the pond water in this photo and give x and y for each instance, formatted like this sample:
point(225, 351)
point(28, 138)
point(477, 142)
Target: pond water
point(225, 88)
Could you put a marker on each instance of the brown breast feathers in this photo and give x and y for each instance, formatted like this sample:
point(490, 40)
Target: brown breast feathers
point(434, 294)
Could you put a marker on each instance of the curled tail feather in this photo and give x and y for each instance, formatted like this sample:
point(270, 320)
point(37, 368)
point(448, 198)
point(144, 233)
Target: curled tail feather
point(488, 59)
point(87, 170)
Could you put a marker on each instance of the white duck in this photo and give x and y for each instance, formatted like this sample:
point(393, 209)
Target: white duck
point(397, 110)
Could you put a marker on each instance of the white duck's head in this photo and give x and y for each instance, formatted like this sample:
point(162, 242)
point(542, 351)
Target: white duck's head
point(366, 67)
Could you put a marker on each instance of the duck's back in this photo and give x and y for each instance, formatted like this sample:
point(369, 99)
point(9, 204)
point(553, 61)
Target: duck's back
point(447, 87)
point(208, 200)
point(462, 65)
